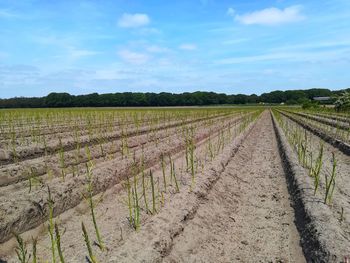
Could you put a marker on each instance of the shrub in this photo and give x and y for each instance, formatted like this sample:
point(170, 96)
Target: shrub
point(343, 102)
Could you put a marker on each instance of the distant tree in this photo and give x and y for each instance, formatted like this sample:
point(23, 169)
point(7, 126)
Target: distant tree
point(343, 102)
point(165, 99)
point(58, 100)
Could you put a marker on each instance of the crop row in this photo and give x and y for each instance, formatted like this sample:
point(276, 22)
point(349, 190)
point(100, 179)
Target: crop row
point(66, 191)
point(73, 161)
point(337, 137)
point(14, 152)
point(327, 167)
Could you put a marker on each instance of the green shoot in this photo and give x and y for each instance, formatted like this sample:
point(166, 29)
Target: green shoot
point(89, 176)
point(315, 171)
point(143, 182)
point(91, 258)
point(21, 250)
point(58, 243)
point(34, 250)
point(153, 193)
point(330, 182)
point(51, 227)
point(174, 175)
point(163, 170)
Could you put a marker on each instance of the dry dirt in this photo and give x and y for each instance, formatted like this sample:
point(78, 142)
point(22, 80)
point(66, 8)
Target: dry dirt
point(247, 216)
point(239, 211)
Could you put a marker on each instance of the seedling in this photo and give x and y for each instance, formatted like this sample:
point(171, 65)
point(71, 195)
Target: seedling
point(21, 250)
point(34, 250)
point(153, 193)
point(136, 199)
point(58, 243)
point(163, 170)
point(51, 226)
point(61, 157)
point(89, 186)
point(91, 257)
point(315, 171)
point(175, 179)
point(33, 178)
point(144, 182)
point(330, 181)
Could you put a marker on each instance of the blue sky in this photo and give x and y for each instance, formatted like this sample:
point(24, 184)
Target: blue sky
point(232, 46)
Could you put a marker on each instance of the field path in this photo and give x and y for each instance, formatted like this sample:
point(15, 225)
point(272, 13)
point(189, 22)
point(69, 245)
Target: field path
point(247, 216)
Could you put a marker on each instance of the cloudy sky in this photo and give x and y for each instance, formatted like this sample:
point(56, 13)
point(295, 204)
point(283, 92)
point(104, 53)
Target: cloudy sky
point(226, 46)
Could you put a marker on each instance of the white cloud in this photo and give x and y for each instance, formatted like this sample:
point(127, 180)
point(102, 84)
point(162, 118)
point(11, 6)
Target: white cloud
point(188, 46)
point(133, 57)
point(133, 20)
point(271, 16)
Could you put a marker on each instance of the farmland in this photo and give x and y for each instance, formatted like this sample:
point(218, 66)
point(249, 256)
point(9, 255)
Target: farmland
point(207, 184)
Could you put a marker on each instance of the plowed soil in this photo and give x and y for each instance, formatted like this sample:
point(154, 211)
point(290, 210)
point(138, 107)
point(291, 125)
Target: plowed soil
point(239, 211)
point(247, 216)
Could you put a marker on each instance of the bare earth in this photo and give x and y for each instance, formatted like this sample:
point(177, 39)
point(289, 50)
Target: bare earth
point(240, 212)
point(247, 216)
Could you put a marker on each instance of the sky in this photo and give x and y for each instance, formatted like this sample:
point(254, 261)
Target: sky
point(225, 46)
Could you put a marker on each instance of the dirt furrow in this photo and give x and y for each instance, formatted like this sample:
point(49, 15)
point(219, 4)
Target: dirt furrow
point(8, 156)
point(73, 159)
point(331, 139)
point(247, 216)
point(334, 123)
point(112, 211)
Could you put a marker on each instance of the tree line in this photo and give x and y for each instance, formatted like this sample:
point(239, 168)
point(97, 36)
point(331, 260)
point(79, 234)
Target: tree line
point(165, 99)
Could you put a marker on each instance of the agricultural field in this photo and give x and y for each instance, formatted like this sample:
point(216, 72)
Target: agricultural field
point(206, 184)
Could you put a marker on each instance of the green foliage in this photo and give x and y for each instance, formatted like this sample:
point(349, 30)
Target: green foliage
point(343, 102)
point(162, 99)
point(310, 105)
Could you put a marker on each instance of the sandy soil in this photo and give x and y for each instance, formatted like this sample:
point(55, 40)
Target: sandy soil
point(238, 211)
point(247, 216)
point(112, 201)
point(21, 210)
point(340, 203)
point(330, 133)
